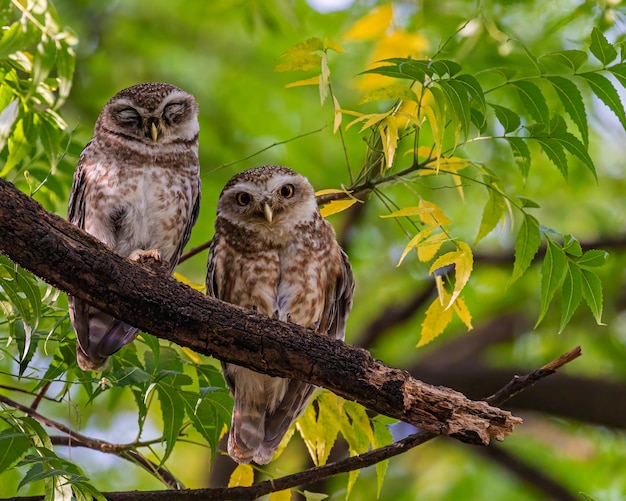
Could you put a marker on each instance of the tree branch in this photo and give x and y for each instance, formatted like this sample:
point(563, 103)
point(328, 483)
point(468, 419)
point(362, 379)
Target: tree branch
point(151, 300)
point(349, 464)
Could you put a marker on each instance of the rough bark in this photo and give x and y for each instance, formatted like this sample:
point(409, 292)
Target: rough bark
point(148, 298)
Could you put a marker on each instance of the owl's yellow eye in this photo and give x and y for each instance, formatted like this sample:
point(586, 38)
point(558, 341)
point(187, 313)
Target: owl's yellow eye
point(287, 191)
point(243, 198)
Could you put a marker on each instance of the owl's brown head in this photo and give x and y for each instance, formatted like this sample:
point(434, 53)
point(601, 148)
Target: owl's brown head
point(269, 200)
point(153, 113)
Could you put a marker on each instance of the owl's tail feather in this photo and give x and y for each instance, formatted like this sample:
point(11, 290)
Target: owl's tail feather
point(98, 335)
point(278, 422)
point(246, 431)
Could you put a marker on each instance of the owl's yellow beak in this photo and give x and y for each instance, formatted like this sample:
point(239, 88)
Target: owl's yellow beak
point(267, 210)
point(154, 132)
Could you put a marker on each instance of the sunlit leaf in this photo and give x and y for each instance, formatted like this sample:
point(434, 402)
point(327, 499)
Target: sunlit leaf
point(526, 246)
point(300, 83)
point(335, 206)
point(427, 249)
point(463, 261)
point(242, 476)
point(434, 216)
point(436, 320)
point(462, 311)
point(553, 272)
point(319, 428)
point(314, 496)
point(284, 495)
point(601, 48)
point(186, 281)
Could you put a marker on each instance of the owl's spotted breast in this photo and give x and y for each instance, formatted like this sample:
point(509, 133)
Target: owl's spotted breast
point(273, 252)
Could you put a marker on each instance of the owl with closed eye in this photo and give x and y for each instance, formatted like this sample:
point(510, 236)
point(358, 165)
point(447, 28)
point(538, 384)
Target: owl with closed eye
point(137, 189)
point(274, 253)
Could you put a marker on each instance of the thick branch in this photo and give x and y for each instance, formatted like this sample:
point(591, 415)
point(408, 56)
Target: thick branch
point(75, 262)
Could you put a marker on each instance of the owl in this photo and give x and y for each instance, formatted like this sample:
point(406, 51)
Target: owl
point(274, 253)
point(137, 189)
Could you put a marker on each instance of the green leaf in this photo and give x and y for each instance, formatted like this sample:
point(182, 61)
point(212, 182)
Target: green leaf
point(507, 117)
point(457, 100)
point(572, 246)
point(19, 146)
point(319, 428)
point(571, 293)
point(45, 57)
point(13, 39)
point(492, 214)
point(552, 275)
point(619, 72)
point(382, 437)
point(593, 258)
point(605, 91)
point(13, 446)
point(572, 58)
point(444, 67)
point(592, 293)
point(526, 246)
point(475, 90)
point(314, 496)
point(572, 101)
point(554, 151)
point(411, 69)
point(601, 48)
point(173, 413)
point(521, 154)
point(533, 100)
point(205, 417)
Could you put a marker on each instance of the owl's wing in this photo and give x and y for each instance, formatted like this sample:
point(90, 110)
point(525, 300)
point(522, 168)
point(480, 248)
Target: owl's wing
point(338, 301)
point(98, 335)
point(191, 221)
point(76, 208)
point(212, 288)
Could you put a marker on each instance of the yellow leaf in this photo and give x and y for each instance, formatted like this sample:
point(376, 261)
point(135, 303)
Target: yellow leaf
point(186, 281)
point(281, 495)
point(463, 261)
point(300, 83)
point(299, 62)
point(330, 191)
point(437, 319)
point(434, 217)
point(408, 211)
point(371, 119)
point(371, 26)
point(330, 44)
point(193, 356)
point(338, 115)
point(429, 247)
point(389, 136)
point(242, 476)
point(319, 428)
point(463, 312)
point(335, 206)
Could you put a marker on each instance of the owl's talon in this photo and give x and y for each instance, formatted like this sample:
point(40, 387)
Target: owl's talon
point(288, 317)
point(142, 256)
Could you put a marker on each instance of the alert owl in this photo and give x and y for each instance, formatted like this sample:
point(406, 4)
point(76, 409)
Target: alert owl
point(137, 189)
point(274, 253)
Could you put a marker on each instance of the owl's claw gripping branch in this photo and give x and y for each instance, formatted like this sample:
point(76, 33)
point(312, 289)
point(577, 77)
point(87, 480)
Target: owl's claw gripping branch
point(142, 256)
point(72, 260)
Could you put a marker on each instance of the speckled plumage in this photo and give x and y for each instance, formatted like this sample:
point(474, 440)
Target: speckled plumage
point(277, 255)
point(137, 189)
